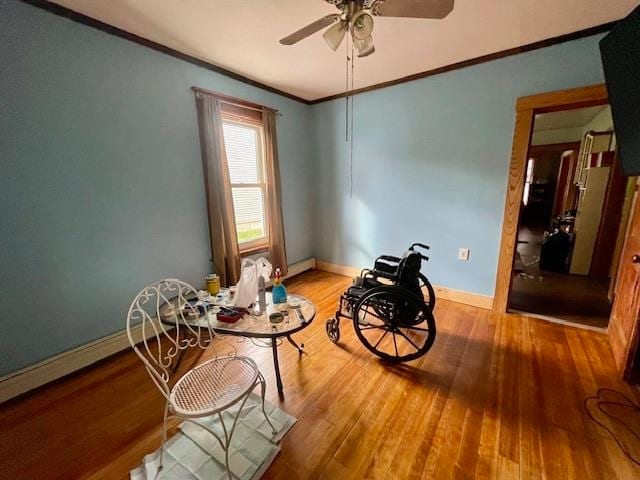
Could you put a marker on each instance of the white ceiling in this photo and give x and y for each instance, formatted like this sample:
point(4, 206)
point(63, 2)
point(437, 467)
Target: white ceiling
point(242, 35)
point(566, 118)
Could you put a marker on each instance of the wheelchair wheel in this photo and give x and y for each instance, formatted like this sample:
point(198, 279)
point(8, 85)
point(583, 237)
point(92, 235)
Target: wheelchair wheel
point(333, 330)
point(394, 323)
point(427, 291)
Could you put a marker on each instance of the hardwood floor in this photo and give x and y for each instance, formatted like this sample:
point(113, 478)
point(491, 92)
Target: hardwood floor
point(498, 396)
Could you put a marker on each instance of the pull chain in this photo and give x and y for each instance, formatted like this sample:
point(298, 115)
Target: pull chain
point(348, 121)
point(352, 112)
point(346, 90)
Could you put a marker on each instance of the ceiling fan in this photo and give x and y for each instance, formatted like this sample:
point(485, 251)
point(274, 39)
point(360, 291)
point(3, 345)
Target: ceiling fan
point(356, 16)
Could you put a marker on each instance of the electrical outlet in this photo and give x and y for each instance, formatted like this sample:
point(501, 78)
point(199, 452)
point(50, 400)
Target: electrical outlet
point(463, 254)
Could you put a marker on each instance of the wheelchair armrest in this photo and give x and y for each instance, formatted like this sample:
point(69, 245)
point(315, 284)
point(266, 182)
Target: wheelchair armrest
point(373, 276)
point(366, 272)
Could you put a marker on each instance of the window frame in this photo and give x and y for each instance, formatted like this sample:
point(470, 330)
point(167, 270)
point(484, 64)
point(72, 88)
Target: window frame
point(262, 243)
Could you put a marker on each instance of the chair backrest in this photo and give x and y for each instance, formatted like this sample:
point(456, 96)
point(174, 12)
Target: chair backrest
point(162, 322)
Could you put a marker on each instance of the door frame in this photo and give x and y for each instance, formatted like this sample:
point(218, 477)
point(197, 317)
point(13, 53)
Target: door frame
point(526, 109)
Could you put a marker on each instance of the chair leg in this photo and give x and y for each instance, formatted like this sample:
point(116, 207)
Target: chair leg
point(226, 462)
point(228, 434)
point(227, 443)
point(263, 390)
point(164, 433)
point(224, 443)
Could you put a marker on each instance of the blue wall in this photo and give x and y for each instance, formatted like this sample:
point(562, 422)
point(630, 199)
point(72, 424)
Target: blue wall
point(430, 163)
point(101, 189)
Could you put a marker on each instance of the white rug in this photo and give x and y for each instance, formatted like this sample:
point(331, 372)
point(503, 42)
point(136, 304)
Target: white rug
point(193, 453)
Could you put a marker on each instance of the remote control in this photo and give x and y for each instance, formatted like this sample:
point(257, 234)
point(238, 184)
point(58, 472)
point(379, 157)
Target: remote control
point(299, 315)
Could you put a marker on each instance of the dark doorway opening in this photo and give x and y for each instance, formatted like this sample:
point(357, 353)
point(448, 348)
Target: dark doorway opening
point(573, 219)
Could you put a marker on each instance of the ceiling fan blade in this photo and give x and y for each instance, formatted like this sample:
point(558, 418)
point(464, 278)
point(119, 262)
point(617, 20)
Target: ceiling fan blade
point(413, 8)
point(310, 29)
point(335, 34)
point(365, 46)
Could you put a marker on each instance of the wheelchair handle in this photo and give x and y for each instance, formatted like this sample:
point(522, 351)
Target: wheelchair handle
point(421, 245)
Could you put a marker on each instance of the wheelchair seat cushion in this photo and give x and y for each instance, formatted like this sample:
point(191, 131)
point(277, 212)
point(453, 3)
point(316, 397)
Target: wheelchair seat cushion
point(361, 285)
point(356, 291)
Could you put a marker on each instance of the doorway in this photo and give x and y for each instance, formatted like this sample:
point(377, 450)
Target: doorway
point(572, 218)
point(527, 108)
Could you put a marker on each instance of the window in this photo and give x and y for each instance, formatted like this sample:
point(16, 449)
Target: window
point(528, 181)
point(244, 146)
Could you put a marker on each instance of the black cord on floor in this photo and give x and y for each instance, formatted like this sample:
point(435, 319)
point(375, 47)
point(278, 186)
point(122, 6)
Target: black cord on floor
point(635, 409)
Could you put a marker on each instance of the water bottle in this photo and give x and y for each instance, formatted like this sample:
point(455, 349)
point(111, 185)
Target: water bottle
point(262, 300)
point(278, 292)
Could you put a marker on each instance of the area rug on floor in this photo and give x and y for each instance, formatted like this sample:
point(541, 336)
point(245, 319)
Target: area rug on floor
point(193, 453)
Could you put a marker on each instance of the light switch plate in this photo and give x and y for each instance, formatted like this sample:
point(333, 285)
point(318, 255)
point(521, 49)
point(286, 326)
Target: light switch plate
point(463, 254)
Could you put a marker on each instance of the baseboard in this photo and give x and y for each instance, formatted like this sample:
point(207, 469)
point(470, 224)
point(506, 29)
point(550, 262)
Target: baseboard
point(58, 366)
point(446, 293)
point(461, 296)
point(339, 269)
point(300, 267)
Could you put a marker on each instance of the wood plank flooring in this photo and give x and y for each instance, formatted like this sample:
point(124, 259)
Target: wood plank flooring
point(496, 397)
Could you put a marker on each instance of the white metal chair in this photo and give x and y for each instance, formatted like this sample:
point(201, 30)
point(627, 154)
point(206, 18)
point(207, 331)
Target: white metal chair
point(169, 324)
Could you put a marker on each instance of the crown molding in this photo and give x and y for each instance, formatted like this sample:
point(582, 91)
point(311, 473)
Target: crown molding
point(118, 32)
point(587, 32)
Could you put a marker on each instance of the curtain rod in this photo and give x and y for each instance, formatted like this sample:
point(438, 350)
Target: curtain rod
point(238, 102)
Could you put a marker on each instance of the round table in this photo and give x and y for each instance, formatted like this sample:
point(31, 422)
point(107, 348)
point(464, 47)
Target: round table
point(259, 326)
point(256, 325)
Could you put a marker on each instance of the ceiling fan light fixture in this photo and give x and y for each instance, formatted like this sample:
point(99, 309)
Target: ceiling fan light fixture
point(356, 17)
point(335, 34)
point(364, 46)
point(361, 25)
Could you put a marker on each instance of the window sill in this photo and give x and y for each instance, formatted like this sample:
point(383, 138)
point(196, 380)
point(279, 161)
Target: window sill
point(254, 249)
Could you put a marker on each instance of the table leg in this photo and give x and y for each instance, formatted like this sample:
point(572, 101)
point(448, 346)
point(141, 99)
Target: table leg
point(276, 365)
point(300, 347)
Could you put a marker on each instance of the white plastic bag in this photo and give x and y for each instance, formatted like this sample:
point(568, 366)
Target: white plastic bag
point(247, 287)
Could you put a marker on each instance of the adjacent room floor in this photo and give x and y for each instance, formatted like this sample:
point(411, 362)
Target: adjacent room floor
point(571, 298)
point(498, 396)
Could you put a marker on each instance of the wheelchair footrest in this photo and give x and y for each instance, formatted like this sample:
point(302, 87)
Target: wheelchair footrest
point(346, 307)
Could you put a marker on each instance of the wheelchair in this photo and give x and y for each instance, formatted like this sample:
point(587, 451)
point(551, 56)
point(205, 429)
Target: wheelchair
point(391, 308)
